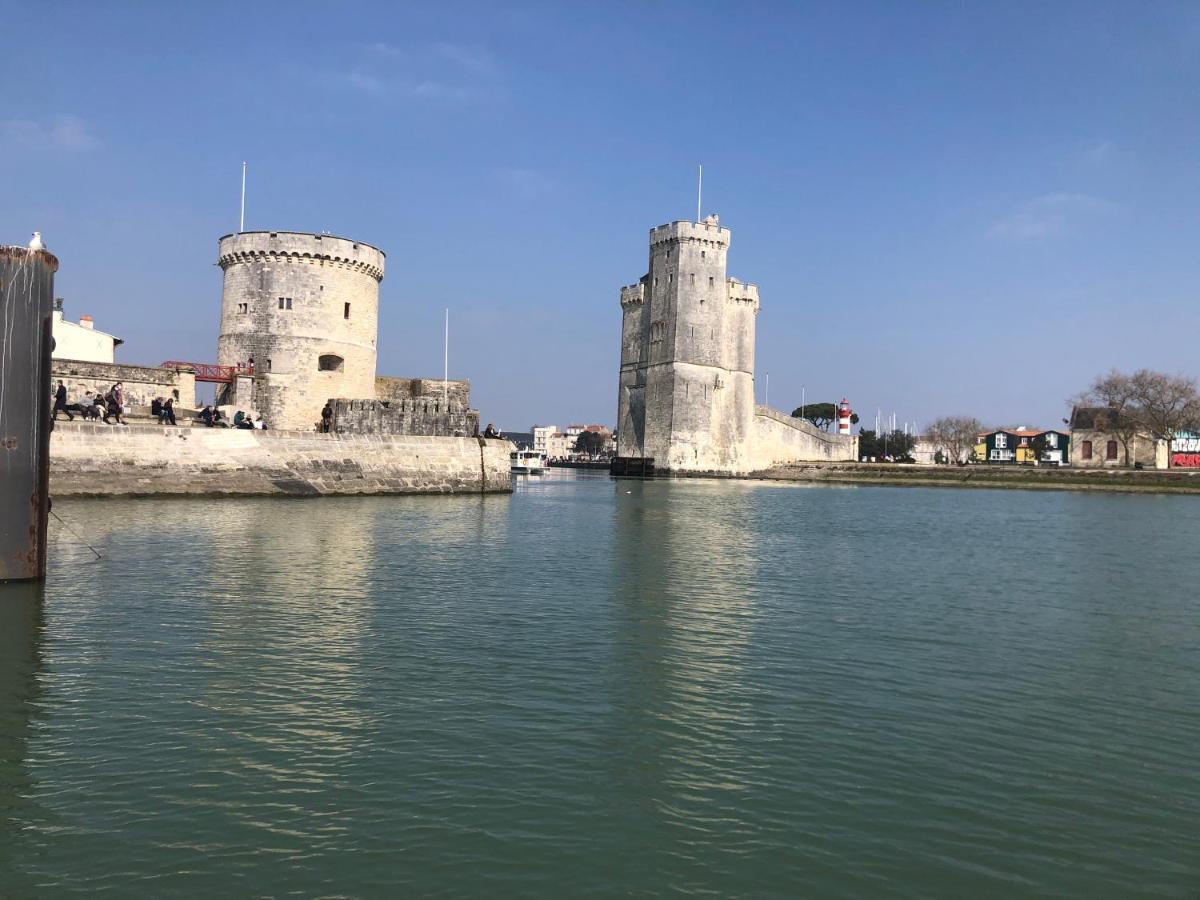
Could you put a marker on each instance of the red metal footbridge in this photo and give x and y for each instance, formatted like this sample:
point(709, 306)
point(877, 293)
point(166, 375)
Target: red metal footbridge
point(210, 371)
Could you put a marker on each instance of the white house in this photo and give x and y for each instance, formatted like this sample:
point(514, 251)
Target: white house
point(82, 341)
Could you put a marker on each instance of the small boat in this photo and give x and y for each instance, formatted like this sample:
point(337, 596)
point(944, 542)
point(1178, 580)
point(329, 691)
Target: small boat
point(527, 462)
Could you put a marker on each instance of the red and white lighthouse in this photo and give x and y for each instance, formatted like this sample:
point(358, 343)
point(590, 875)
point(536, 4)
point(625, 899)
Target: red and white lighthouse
point(844, 416)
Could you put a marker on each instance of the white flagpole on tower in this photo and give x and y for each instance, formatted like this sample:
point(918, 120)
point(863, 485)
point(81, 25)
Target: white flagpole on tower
point(242, 223)
point(699, 190)
point(446, 365)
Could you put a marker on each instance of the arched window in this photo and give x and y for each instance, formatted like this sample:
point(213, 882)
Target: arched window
point(330, 362)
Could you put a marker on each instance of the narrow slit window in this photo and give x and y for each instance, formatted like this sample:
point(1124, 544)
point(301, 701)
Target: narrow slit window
point(346, 311)
point(710, 281)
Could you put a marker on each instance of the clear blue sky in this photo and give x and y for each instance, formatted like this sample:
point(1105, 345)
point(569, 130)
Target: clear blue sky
point(949, 207)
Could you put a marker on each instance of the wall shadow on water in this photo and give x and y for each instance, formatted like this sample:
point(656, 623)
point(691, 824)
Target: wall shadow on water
point(21, 635)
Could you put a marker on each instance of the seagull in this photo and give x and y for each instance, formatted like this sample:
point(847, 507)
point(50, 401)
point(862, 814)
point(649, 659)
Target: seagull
point(36, 242)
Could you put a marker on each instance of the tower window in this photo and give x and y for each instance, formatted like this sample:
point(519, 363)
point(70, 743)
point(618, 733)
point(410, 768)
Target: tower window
point(285, 302)
point(243, 308)
point(670, 278)
point(346, 312)
point(330, 362)
point(268, 364)
point(703, 253)
point(710, 281)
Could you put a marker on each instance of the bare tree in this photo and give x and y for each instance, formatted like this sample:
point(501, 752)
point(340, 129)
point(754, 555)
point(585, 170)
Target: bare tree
point(957, 435)
point(1118, 395)
point(1166, 403)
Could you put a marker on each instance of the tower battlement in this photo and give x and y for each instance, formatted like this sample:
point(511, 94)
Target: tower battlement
point(633, 295)
point(689, 231)
point(741, 292)
point(300, 247)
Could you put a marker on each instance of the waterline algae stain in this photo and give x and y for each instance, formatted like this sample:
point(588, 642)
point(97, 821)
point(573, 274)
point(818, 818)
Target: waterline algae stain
point(610, 689)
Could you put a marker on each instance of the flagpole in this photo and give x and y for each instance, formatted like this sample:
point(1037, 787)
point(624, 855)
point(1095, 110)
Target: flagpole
point(242, 223)
point(446, 365)
point(699, 190)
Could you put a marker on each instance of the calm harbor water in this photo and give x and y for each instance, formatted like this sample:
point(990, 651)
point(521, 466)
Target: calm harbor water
point(609, 688)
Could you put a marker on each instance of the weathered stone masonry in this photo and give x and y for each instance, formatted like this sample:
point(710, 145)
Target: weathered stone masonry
point(686, 393)
point(305, 307)
point(144, 460)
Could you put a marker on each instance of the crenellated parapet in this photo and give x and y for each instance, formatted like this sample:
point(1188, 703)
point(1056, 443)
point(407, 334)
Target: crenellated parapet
point(633, 295)
point(739, 292)
point(675, 232)
point(301, 248)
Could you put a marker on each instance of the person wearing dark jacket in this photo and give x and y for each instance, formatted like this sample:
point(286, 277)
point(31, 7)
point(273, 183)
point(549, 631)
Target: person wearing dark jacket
point(60, 402)
point(167, 413)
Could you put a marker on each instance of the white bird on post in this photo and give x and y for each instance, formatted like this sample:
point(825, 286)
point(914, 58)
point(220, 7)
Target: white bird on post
point(36, 242)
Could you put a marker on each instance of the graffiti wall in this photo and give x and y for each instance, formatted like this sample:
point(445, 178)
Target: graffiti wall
point(1185, 451)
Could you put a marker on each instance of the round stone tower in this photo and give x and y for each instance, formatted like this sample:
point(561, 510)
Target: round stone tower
point(305, 308)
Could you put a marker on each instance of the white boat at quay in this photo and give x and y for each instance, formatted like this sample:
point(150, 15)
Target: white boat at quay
point(527, 462)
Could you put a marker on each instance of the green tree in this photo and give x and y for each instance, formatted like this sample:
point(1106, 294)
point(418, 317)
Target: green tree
point(1040, 446)
point(590, 443)
point(895, 446)
point(822, 415)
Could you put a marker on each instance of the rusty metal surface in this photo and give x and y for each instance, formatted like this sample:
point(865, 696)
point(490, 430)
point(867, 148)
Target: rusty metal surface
point(26, 300)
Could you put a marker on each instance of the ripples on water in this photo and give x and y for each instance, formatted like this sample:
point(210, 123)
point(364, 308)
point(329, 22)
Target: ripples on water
point(599, 688)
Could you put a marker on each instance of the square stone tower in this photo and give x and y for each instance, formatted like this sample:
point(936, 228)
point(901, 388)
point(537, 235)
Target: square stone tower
point(686, 396)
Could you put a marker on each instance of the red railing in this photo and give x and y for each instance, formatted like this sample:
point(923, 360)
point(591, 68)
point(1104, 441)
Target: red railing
point(211, 372)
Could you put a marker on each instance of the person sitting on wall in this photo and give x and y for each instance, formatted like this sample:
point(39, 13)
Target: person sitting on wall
point(326, 418)
point(167, 413)
point(490, 432)
point(60, 402)
point(247, 422)
point(156, 408)
point(87, 406)
point(237, 418)
point(206, 416)
point(218, 419)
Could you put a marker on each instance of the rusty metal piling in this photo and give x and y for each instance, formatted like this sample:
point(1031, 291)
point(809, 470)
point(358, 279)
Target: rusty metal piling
point(26, 300)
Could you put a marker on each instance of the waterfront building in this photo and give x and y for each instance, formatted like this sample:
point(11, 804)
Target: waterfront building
point(81, 341)
point(1098, 445)
point(1018, 446)
point(541, 437)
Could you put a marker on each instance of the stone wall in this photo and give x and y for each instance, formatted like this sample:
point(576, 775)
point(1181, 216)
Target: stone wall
point(780, 439)
point(99, 460)
point(410, 406)
point(406, 389)
point(306, 308)
point(141, 383)
point(1142, 449)
point(383, 417)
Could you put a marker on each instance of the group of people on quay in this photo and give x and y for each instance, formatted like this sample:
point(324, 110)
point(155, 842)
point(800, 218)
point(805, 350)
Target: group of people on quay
point(109, 407)
point(93, 405)
point(212, 417)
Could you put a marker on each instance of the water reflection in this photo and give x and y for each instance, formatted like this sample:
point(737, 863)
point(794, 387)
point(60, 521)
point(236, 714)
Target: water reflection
point(21, 630)
point(685, 613)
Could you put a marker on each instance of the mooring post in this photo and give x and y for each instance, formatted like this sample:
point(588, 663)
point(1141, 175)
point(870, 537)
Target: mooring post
point(26, 300)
